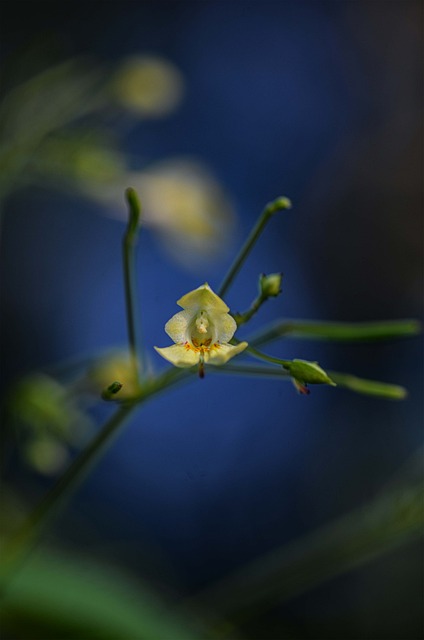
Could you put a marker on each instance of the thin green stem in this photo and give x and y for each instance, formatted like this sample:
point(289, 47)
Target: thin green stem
point(252, 370)
point(265, 357)
point(242, 318)
point(80, 467)
point(392, 519)
point(363, 386)
point(369, 387)
point(277, 205)
point(21, 542)
point(129, 244)
point(337, 331)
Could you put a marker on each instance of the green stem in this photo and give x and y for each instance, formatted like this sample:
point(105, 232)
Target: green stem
point(393, 519)
point(80, 467)
point(21, 542)
point(252, 370)
point(363, 386)
point(337, 331)
point(242, 318)
point(368, 387)
point(265, 357)
point(277, 205)
point(129, 244)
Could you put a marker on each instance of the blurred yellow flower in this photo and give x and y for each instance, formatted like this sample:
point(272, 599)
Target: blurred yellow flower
point(114, 366)
point(148, 85)
point(201, 331)
point(182, 201)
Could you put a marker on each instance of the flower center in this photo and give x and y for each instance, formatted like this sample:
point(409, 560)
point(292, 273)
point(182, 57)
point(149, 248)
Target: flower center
point(202, 322)
point(202, 329)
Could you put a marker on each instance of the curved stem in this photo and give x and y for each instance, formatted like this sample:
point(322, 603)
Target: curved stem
point(129, 244)
point(79, 468)
point(265, 357)
point(272, 207)
point(242, 318)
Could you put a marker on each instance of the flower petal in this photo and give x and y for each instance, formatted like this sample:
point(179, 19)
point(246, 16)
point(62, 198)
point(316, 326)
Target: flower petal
point(177, 326)
point(203, 298)
point(179, 355)
point(225, 326)
point(223, 353)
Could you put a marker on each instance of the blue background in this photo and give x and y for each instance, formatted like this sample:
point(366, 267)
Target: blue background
point(319, 101)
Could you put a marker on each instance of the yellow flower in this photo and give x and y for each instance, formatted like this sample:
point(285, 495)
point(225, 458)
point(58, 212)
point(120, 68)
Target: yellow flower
point(201, 331)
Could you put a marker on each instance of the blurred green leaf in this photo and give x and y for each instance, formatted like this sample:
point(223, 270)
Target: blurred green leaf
point(392, 520)
point(337, 331)
point(43, 104)
point(58, 596)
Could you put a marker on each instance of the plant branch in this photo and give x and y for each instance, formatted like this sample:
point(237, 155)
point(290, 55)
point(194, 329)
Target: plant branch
point(337, 331)
point(129, 244)
point(271, 208)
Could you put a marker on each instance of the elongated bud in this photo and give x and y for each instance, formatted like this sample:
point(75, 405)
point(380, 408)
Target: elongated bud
point(307, 372)
point(270, 285)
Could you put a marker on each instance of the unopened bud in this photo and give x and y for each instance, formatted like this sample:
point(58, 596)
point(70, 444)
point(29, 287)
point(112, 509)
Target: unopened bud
point(307, 372)
point(112, 390)
point(270, 286)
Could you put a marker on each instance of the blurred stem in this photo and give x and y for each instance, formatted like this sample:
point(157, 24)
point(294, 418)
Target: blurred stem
point(129, 244)
point(242, 318)
point(279, 204)
point(79, 468)
point(337, 331)
point(368, 387)
point(252, 370)
point(346, 380)
point(395, 518)
point(263, 356)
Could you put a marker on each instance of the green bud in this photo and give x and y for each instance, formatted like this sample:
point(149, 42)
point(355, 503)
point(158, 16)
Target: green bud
point(279, 204)
point(307, 372)
point(270, 286)
point(111, 390)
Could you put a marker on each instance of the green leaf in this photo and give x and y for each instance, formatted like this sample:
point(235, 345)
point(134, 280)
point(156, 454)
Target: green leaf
point(57, 596)
point(393, 519)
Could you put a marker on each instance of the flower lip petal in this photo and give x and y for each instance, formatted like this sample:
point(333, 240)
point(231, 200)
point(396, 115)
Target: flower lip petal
point(179, 355)
point(203, 298)
point(223, 353)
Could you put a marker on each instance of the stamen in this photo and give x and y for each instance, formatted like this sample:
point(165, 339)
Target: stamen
point(201, 366)
point(202, 323)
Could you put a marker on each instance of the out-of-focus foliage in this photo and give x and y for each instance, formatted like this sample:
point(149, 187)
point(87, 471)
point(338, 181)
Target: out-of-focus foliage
point(183, 202)
point(62, 129)
point(148, 86)
point(58, 596)
point(48, 421)
point(392, 519)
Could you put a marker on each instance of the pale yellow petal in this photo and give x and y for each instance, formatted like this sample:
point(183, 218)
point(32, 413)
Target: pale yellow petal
point(179, 355)
point(223, 353)
point(225, 326)
point(203, 298)
point(177, 326)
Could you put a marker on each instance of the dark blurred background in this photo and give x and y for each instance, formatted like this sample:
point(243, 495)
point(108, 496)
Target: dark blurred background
point(322, 102)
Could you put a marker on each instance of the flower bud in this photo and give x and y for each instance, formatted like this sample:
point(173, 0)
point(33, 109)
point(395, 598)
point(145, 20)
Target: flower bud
point(307, 372)
point(270, 286)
